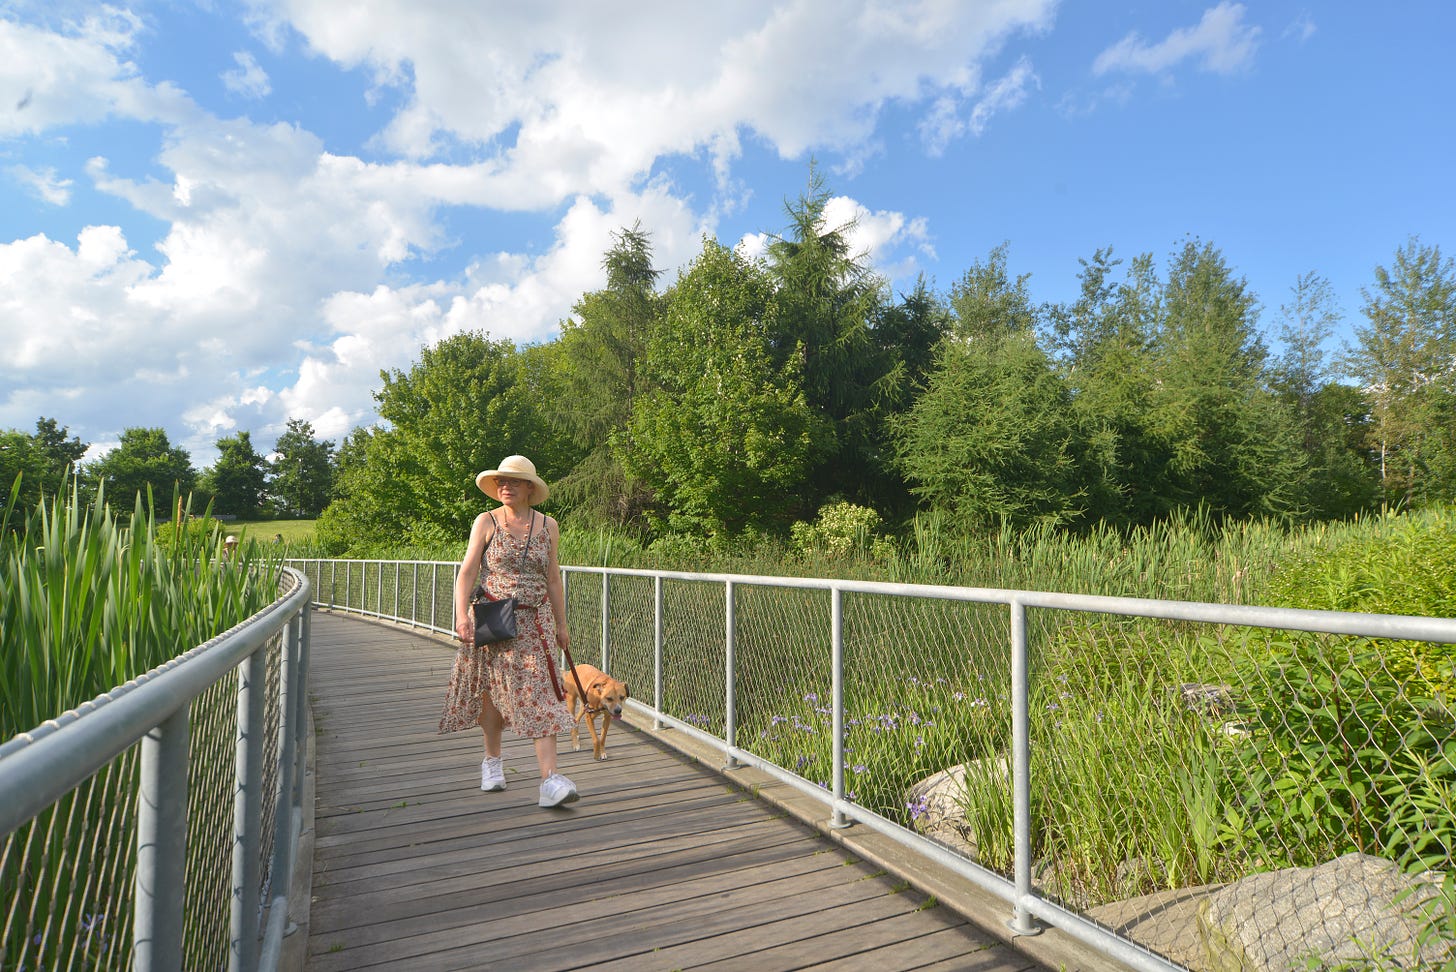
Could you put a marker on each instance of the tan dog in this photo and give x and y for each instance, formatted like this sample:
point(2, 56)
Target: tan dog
point(604, 697)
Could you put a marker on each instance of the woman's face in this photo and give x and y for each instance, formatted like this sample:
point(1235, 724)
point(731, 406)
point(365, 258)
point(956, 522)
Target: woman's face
point(512, 490)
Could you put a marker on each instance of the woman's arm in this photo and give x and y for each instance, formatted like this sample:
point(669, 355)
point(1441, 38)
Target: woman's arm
point(555, 590)
point(480, 533)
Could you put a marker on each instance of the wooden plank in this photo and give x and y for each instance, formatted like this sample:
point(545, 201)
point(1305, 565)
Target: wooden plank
point(661, 865)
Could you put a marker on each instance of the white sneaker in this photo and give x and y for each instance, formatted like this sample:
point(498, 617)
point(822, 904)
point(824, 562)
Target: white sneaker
point(492, 776)
point(556, 789)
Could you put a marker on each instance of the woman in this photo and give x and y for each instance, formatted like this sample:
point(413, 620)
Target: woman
point(512, 550)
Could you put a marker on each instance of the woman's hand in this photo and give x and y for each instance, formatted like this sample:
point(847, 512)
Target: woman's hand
point(563, 637)
point(465, 630)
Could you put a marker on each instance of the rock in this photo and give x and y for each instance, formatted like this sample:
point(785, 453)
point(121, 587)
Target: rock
point(1165, 922)
point(1341, 911)
point(937, 799)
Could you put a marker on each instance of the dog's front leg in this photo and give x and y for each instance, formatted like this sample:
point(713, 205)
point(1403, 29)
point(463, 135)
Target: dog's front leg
point(606, 724)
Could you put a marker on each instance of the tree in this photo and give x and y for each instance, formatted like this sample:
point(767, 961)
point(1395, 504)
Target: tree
point(1405, 359)
point(237, 480)
point(992, 441)
point(727, 435)
point(1232, 444)
point(595, 378)
point(43, 460)
point(1105, 343)
point(1329, 418)
point(827, 300)
point(301, 471)
point(144, 459)
point(461, 409)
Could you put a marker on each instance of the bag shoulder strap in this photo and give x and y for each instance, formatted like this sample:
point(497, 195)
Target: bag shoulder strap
point(496, 528)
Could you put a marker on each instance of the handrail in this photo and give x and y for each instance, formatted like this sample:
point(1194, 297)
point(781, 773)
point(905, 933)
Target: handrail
point(41, 767)
point(1028, 906)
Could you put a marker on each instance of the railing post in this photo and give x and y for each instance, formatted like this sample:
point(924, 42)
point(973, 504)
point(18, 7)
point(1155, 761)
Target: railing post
point(396, 590)
point(730, 728)
point(606, 622)
point(283, 816)
point(379, 590)
point(657, 651)
point(1022, 922)
point(161, 846)
point(248, 812)
point(414, 594)
point(836, 664)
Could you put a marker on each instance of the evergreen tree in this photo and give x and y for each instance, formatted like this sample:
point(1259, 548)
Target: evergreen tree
point(1232, 444)
point(1405, 360)
point(991, 441)
point(827, 301)
point(301, 472)
point(594, 378)
point(237, 480)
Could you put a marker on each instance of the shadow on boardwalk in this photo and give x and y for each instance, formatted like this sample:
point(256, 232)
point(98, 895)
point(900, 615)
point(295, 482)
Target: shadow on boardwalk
point(662, 865)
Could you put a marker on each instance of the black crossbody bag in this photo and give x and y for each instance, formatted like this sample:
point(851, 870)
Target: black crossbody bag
point(495, 619)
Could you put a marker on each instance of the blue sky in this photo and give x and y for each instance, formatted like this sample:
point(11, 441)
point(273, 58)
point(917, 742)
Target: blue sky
point(218, 216)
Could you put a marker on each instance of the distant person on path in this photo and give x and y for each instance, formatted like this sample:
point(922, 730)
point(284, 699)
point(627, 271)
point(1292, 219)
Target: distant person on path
point(512, 683)
point(230, 547)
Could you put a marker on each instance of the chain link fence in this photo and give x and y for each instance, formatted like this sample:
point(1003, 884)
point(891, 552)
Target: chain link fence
point(69, 872)
point(1203, 786)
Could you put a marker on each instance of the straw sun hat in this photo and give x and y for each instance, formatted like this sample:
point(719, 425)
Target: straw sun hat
point(513, 467)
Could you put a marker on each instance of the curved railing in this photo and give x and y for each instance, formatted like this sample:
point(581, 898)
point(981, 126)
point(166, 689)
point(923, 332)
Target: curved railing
point(876, 681)
point(157, 825)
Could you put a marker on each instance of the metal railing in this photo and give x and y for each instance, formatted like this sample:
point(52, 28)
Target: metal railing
point(155, 827)
point(1099, 748)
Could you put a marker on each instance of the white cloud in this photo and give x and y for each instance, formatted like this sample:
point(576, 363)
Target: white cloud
point(81, 75)
point(248, 79)
point(43, 183)
point(287, 272)
point(944, 123)
point(1221, 43)
point(585, 99)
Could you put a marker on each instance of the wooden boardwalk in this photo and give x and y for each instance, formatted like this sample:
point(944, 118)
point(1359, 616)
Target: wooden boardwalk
point(663, 864)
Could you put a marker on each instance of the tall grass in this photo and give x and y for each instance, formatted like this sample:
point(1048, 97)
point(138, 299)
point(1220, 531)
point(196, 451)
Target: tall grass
point(89, 600)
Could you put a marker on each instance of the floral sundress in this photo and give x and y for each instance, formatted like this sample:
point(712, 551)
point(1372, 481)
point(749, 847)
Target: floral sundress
point(517, 674)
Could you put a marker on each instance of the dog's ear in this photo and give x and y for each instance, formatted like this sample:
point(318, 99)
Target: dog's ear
point(626, 692)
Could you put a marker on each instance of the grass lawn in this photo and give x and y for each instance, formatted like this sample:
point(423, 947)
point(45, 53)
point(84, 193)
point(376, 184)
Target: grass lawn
point(263, 531)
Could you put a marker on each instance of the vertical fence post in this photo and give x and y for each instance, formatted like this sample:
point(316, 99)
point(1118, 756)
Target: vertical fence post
point(730, 729)
point(396, 590)
point(414, 594)
point(283, 819)
point(435, 599)
point(248, 812)
point(161, 846)
point(1021, 921)
point(657, 651)
point(606, 622)
point(836, 691)
point(379, 590)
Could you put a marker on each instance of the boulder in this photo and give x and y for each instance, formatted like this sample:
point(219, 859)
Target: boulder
point(1343, 911)
point(937, 802)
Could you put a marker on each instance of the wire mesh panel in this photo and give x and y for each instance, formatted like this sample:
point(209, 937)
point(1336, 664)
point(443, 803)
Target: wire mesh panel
point(72, 872)
point(694, 637)
point(1224, 790)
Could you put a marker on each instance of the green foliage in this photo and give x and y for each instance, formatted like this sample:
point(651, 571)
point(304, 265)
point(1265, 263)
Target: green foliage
point(461, 409)
point(596, 379)
point(92, 600)
point(842, 530)
point(1406, 356)
point(991, 440)
point(144, 464)
point(301, 474)
point(726, 438)
point(236, 480)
